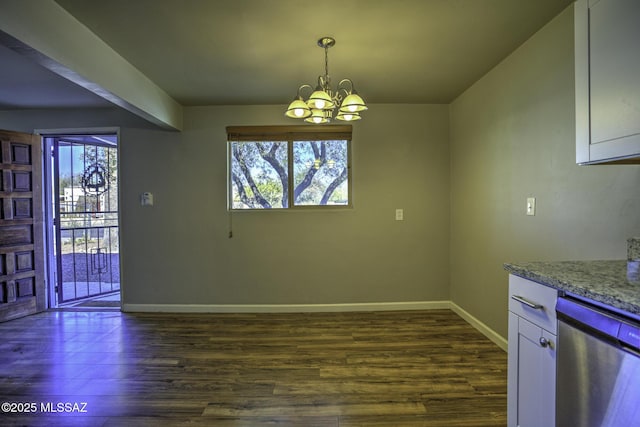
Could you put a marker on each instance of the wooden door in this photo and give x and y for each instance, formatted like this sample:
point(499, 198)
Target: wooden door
point(22, 285)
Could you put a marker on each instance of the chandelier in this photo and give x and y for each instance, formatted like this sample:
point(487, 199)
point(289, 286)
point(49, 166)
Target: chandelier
point(323, 102)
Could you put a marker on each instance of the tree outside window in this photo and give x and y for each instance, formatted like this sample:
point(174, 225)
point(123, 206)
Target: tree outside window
point(303, 170)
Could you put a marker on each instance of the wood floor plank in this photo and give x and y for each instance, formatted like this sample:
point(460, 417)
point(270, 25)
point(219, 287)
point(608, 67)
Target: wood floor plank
point(411, 368)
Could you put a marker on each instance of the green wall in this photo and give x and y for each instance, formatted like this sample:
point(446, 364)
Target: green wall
point(512, 137)
point(179, 252)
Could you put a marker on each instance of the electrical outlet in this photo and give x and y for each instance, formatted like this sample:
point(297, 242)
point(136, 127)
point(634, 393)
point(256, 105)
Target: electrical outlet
point(531, 206)
point(399, 214)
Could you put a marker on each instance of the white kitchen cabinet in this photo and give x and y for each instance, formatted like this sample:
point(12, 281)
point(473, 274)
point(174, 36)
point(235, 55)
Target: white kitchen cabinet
point(607, 80)
point(532, 354)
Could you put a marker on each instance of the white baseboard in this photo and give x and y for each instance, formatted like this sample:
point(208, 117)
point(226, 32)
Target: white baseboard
point(484, 329)
point(285, 308)
point(316, 308)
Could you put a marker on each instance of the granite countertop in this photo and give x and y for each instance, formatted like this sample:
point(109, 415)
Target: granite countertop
point(614, 283)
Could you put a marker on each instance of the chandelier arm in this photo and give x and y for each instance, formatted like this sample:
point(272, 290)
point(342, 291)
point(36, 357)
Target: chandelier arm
point(304, 86)
point(350, 84)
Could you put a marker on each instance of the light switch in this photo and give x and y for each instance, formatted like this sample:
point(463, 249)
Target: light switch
point(531, 205)
point(399, 215)
point(146, 199)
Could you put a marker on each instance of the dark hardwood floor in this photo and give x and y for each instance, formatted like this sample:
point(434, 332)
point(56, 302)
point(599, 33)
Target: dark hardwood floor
point(400, 369)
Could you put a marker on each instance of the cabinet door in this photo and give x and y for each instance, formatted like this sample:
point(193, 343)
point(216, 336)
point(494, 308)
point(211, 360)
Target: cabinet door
point(607, 80)
point(614, 32)
point(531, 376)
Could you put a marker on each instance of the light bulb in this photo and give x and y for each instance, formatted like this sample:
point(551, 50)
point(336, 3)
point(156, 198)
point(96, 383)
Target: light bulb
point(317, 119)
point(352, 109)
point(348, 117)
point(320, 104)
point(299, 112)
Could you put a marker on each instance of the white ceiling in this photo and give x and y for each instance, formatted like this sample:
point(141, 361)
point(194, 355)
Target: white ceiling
point(234, 52)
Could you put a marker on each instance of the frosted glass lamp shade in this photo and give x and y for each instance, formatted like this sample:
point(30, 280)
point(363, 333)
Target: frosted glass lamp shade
point(353, 103)
point(348, 117)
point(298, 109)
point(320, 100)
point(317, 117)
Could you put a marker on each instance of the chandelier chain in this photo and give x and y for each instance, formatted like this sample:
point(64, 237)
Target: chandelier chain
point(326, 62)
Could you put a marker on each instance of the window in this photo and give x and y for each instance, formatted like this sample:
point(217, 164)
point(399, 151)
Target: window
point(279, 167)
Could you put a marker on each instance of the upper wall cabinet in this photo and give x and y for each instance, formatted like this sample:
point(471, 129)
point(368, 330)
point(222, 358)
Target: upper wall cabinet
point(607, 78)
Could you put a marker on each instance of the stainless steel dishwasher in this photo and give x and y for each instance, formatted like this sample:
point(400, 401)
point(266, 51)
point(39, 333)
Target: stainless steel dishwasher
point(598, 367)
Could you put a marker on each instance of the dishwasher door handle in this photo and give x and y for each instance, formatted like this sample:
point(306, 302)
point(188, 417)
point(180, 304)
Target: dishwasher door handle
point(527, 302)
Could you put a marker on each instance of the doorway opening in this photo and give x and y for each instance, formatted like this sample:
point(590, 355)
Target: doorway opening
point(82, 213)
